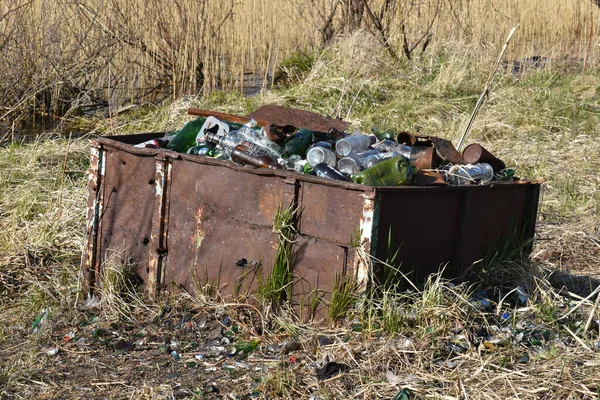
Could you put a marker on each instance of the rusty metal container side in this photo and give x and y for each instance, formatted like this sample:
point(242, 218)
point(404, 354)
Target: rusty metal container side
point(431, 228)
point(185, 220)
point(219, 215)
point(121, 206)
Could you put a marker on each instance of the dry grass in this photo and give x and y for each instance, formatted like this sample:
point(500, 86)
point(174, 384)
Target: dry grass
point(438, 340)
point(77, 56)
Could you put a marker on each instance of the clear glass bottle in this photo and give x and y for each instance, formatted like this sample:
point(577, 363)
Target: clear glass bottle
point(354, 144)
point(471, 173)
point(354, 163)
point(248, 133)
point(319, 153)
point(293, 163)
point(387, 145)
point(377, 158)
point(227, 143)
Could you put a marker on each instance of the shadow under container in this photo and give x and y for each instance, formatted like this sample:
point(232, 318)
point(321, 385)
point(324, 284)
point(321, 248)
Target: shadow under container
point(185, 220)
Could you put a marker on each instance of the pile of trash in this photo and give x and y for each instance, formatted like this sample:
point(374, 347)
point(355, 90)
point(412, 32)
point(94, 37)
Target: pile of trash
point(376, 159)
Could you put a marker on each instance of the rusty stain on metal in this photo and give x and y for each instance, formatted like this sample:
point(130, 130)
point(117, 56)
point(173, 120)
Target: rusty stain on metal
point(282, 116)
point(425, 157)
point(446, 150)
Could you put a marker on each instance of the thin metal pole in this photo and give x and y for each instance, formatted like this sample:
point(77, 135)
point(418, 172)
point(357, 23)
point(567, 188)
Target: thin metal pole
point(485, 90)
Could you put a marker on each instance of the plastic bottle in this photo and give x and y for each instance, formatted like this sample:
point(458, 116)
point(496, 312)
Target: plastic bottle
point(396, 171)
point(321, 153)
point(353, 163)
point(391, 145)
point(186, 137)
point(325, 171)
point(470, 173)
point(354, 144)
point(298, 144)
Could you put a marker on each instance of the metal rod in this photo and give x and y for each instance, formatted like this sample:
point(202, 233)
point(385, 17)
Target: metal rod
point(485, 90)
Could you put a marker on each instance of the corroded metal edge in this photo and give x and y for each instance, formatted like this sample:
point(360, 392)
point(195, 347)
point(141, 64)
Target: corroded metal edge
point(90, 262)
point(158, 238)
point(363, 265)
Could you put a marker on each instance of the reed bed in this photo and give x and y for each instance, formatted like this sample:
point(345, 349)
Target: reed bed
point(72, 57)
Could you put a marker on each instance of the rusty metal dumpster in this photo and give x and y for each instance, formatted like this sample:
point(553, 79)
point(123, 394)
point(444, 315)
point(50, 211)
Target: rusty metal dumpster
point(182, 218)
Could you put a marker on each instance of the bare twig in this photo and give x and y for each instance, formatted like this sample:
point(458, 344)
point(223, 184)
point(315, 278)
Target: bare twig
point(377, 23)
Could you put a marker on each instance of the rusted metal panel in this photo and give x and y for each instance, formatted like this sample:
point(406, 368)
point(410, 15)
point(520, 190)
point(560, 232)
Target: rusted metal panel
point(330, 212)
point(299, 118)
point(450, 228)
point(127, 216)
point(219, 215)
point(316, 264)
point(416, 229)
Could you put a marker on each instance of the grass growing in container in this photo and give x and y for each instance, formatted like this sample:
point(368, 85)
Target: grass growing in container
point(276, 287)
point(344, 296)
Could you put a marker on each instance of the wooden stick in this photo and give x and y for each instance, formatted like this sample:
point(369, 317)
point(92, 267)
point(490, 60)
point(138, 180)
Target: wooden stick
point(485, 89)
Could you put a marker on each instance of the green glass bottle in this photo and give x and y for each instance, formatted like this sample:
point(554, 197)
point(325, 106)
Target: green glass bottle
point(396, 171)
point(298, 144)
point(381, 135)
point(202, 150)
point(186, 137)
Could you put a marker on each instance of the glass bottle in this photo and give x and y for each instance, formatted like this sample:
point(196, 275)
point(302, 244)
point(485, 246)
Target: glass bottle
point(202, 150)
point(354, 144)
point(186, 136)
point(321, 153)
point(391, 145)
point(227, 142)
point(241, 155)
point(248, 133)
point(353, 163)
point(325, 171)
point(471, 173)
point(395, 171)
point(293, 163)
point(377, 158)
point(298, 144)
